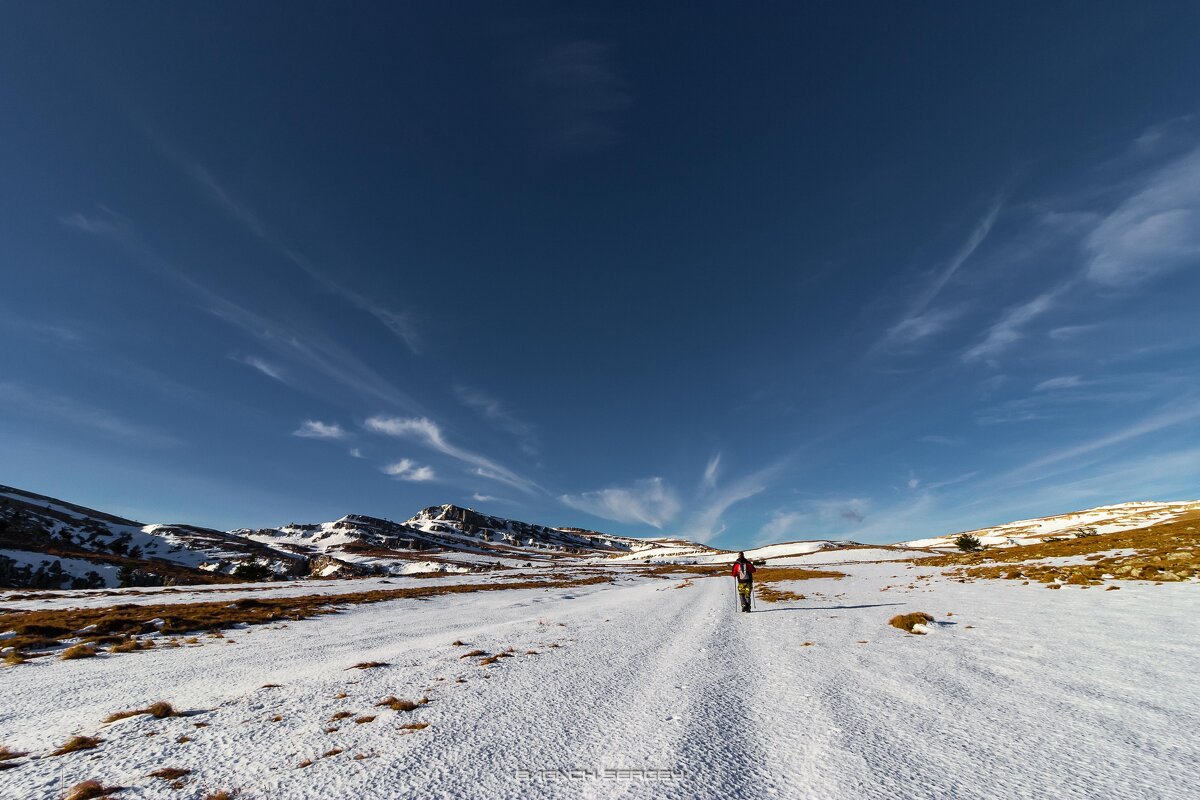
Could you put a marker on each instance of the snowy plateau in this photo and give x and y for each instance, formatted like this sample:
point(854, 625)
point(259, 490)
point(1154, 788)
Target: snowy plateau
point(461, 655)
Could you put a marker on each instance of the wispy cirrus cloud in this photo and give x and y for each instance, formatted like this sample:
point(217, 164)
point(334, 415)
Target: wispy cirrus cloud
point(1009, 328)
point(430, 434)
point(262, 365)
point(709, 480)
point(937, 438)
point(1061, 382)
point(815, 519)
point(408, 470)
point(650, 501)
point(1153, 231)
point(707, 522)
point(919, 322)
point(494, 412)
point(46, 405)
point(400, 323)
point(1167, 417)
point(315, 429)
point(306, 346)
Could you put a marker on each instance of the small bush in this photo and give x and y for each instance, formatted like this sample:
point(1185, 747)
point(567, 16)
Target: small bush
point(77, 743)
point(906, 622)
point(78, 651)
point(968, 543)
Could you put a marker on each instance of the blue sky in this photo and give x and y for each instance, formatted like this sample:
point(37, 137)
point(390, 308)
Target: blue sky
point(746, 273)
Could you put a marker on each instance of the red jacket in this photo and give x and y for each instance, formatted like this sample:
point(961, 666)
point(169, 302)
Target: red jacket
point(747, 562)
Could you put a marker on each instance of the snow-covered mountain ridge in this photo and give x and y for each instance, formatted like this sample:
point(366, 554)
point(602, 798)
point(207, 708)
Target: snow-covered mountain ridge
point(48, 543)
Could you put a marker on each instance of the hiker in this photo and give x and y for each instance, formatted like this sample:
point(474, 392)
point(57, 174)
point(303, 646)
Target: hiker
point(743, 573)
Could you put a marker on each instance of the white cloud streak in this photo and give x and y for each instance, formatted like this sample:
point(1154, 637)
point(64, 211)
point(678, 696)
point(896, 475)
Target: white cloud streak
point(407, 470)
point(1062, 382)
point(315, 429)
point(430, 434)
point(709, 481)
point(1007, 330)
point(265, 367)
point(399, 323)
point(650, 501)
point(919, 323)
point(1153, 231)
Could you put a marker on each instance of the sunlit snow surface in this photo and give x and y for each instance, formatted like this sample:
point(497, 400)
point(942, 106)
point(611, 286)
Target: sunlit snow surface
point(1022, 693)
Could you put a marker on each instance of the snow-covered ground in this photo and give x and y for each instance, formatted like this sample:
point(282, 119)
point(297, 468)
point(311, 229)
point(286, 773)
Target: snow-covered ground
point(643, 689)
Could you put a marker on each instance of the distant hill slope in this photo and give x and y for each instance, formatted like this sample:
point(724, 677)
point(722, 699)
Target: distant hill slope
point(1104, 519)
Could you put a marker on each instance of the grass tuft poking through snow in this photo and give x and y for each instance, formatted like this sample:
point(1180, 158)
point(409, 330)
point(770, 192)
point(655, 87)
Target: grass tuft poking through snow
point(396, 704)
point(474, 653)
point(8, 755)
point(170, 773)
point(78, 651)
point(89, 789)
point(77, 743)
point(910, 622)
point(159, 710)
point(369, 665)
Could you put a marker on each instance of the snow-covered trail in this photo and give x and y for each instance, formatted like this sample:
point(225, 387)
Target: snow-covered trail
point(643, 689)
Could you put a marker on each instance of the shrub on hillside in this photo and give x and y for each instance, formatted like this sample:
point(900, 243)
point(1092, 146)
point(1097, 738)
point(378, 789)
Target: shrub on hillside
point(968, 543)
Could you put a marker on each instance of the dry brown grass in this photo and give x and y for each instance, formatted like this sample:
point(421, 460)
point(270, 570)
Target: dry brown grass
point(8, 755)
point(906, 622)
point(170, 773)
point(77, 743)
point(159, 710)
point(364, 719)
point(342, 715)
point(305, 763)
point(369, 665)
point(396, 704)
point(14, 657)
point(765, 579)
point(221, 795)
point(474, 653)
point(39, 630)
point(78, 651)
point(414, 726)
point(458, 643)
point(91, 789)
point(332, 752)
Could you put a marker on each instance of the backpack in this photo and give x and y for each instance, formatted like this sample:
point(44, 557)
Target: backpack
point(743, 571)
